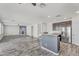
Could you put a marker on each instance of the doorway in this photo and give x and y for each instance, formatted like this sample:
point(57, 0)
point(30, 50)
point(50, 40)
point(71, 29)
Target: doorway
point(22, 30)
point(66, 28)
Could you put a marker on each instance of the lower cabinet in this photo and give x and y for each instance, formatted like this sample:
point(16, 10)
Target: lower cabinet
point(50, 42)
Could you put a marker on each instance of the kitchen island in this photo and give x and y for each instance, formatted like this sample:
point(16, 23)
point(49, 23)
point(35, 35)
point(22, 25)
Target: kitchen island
point(50, 43)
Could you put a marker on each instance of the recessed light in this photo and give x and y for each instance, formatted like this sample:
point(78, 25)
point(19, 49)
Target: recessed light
point(48, 16)
point(65, 18)
point(77, 12)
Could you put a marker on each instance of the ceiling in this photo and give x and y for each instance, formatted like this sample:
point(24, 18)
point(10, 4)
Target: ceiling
point(26, 13)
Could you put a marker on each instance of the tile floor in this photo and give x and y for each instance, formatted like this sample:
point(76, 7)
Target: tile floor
point(21, 46)
point(27, 46)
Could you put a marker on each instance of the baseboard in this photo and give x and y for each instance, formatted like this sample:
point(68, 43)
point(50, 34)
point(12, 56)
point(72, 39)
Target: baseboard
point(75, 43)
point(49, 50)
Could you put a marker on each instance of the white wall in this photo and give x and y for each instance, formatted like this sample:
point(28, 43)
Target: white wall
point(49, 27)
point(39, 29)
point(29, 30)
point(35, 30)
point(11, 30)
point(75, 30)
point(14, 30)
point(1, 30)
point(44, 27)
